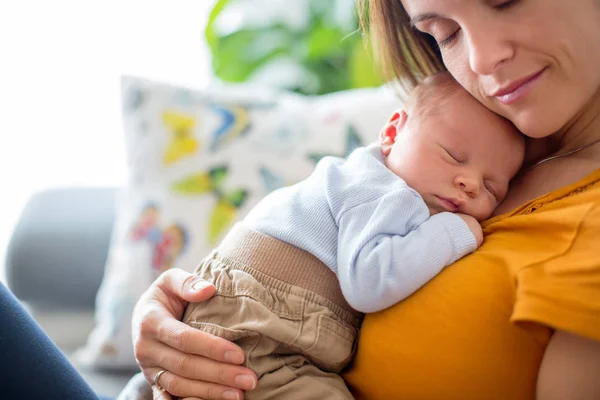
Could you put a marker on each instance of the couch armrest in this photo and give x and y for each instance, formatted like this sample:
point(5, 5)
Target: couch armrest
point(56, 255)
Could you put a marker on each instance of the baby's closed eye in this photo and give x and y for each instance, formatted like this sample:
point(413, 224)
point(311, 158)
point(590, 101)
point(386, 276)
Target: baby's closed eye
point(490, 188)
point(493, 190)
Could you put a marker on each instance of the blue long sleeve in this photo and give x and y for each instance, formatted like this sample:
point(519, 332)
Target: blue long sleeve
point(382, 259)
point(367, 225)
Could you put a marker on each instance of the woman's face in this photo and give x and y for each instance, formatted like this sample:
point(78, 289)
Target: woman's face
point(536, 62)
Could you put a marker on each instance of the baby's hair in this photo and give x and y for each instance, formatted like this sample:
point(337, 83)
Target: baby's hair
point(429, 95)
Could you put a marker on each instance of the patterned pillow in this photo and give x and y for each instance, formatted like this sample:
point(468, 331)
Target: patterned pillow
point(198, 162)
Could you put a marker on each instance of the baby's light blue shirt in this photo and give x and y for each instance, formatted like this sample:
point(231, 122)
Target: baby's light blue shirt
point(367, 225)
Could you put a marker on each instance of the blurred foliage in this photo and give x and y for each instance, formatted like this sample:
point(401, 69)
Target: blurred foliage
point(330, 53)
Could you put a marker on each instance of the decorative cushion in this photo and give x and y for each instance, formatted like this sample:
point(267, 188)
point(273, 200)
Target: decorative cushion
point(198, 162)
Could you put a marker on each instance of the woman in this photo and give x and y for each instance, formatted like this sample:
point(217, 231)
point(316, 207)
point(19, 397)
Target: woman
point(518, 319)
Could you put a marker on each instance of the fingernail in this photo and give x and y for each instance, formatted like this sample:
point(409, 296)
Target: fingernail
point(230, 395)
point(234, 357)
point(245, 382)
point(200, 285)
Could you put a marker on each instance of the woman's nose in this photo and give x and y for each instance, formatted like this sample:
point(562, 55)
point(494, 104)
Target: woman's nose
point(488, 48)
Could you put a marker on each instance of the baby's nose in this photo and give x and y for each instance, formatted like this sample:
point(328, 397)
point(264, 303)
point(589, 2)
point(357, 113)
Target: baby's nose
point(469, 185)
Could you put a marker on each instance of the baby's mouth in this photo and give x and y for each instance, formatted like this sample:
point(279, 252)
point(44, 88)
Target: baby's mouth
point(449, 204)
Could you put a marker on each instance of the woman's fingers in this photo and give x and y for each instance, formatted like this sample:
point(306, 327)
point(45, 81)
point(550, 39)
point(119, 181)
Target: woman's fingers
point(156, 356)
point(160, 394)
point(200, 368)
point(183, 387)
point(190, 340)
point(184, 285)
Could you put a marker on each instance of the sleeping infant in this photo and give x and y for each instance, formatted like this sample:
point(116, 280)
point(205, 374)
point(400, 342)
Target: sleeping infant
point(357, 236)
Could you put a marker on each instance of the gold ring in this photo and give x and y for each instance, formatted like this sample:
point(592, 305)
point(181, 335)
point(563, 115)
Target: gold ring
point(156, 377)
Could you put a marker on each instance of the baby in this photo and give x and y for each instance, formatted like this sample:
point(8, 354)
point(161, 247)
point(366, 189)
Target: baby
point(357, 236)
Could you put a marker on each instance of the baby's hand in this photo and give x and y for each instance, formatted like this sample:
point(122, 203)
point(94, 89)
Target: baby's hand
point(474, 226)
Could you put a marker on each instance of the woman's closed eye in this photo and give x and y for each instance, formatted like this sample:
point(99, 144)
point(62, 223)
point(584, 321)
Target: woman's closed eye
point(444, 31)
point(504, 4)
point(449, 40)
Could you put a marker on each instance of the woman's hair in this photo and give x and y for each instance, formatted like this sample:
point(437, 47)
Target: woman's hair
point(402, 51)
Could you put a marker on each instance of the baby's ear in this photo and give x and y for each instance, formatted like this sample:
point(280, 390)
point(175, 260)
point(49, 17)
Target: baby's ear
point(387, 135)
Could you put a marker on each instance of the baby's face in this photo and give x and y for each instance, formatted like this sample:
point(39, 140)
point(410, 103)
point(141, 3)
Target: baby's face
point(459, 158)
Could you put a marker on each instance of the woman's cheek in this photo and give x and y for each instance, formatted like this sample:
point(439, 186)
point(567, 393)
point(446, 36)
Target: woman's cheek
point(457, 66)
point(462, 73)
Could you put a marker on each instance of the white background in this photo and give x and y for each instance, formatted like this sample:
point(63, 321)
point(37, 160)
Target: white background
point(60, 68)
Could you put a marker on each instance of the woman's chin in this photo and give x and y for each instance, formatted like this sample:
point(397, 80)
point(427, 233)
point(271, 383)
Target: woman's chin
point(536, 125)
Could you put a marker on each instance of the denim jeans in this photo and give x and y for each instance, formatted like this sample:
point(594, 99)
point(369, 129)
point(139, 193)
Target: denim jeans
point(31, 366)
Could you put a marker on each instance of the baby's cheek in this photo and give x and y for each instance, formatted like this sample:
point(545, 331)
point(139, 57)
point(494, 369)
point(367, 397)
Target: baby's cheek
point(488, 210)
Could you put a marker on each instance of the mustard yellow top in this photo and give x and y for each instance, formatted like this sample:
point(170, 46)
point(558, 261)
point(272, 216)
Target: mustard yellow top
point(480, 328)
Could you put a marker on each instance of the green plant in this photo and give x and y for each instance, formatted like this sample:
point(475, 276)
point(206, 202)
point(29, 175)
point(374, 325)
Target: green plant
point(328, 51)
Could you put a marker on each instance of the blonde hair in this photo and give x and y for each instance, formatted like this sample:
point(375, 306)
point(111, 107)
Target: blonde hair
point(402, 51)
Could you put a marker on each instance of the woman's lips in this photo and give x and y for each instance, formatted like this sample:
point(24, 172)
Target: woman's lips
point(515, 91)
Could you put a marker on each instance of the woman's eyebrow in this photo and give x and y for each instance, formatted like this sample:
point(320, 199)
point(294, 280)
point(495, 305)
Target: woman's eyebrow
point(422, 17)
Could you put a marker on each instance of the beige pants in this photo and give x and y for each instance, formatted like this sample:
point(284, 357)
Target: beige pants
point(284, 308)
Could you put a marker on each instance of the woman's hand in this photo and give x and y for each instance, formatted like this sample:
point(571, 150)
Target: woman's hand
point(197, 364)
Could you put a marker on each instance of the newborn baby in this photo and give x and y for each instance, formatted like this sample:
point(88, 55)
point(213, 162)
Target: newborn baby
point(358, 235)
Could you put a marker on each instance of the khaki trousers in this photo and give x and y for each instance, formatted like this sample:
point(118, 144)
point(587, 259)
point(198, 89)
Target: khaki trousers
point(284, 308)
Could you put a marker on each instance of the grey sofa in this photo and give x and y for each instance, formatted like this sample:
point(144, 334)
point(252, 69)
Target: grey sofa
point(55, 264)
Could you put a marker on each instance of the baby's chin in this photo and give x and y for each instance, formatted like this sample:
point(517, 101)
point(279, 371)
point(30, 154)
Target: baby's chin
point(433, 209)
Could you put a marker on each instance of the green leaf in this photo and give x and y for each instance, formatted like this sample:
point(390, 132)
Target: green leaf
point(331, 72)
point(241, 53)
point(210, 31)
point(363, 71)
point(325, 49)
point(324, 41)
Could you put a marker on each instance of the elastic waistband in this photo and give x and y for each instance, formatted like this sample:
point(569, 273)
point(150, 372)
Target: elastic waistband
point(282, 261)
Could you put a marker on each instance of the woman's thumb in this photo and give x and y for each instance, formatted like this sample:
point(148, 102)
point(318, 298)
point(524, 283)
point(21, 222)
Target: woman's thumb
point(200, 290)
point(186, 286)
